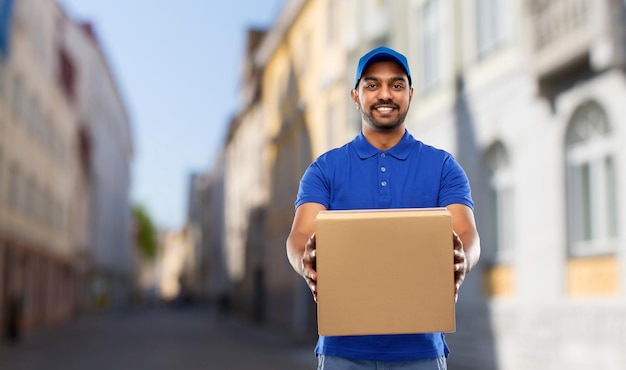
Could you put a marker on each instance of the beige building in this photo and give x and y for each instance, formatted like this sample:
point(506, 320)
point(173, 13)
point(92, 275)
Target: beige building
point(292, 109)
point(175, 265)
point(304, 100)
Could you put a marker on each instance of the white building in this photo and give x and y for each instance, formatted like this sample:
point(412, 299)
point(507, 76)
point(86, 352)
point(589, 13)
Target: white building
point(102, 113)
point(527, 96)
point(43, 186)
point(65, 152)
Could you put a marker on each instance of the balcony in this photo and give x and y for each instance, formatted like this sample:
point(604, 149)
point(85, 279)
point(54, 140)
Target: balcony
point(570, 39)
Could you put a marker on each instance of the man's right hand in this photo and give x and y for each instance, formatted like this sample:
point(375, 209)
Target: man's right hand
point(309, 268)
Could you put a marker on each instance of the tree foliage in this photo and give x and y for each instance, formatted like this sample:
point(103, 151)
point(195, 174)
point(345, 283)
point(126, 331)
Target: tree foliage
point(146, 236)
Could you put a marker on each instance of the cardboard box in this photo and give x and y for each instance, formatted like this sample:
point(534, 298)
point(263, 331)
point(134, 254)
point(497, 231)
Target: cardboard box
point(385, 271)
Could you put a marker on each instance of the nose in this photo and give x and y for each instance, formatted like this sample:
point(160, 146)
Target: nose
point(384, 93)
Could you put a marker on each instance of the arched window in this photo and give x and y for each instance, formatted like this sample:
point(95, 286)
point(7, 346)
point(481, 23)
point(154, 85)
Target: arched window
point(591, 182)
point(501, 192)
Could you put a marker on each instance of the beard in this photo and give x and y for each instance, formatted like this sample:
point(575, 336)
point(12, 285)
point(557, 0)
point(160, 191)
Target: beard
point(387, 126)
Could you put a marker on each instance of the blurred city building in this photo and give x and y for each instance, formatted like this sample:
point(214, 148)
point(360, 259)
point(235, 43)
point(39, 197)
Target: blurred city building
point(245, 189)
point(526, 94)
point(176, 265)
point(65, 153)
point(219, 285)
point(198, 216)
point(102, 113)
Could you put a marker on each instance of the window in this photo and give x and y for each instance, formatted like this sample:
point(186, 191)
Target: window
point(307, 46)
point(490, 25)
point(2, 179)
point(2, 81)
point(36, 200)
point(47, 213)
point(332, 125)
point(501, 237)
point(430, 45)
point(331, 21)
point(591, 182)
point(67, 73)
point(36, 118)
point(27, 197)
point(14, 186)
point(18, 102)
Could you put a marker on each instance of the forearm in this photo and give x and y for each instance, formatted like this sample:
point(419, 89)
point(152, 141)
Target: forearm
point(299, 237)
point(464, 225)
point(295, 251)
point(471, 247)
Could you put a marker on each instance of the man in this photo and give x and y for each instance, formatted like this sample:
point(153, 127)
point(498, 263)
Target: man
point(383, 167)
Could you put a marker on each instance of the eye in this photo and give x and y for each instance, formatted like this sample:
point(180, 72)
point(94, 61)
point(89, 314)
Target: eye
point(398, 86)
point(370, 86)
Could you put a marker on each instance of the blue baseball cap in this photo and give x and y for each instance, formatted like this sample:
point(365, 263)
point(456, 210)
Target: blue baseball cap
point(378, 55)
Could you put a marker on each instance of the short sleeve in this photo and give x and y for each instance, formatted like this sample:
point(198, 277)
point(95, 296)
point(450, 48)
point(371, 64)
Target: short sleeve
point(455, 186)
point(314, 187)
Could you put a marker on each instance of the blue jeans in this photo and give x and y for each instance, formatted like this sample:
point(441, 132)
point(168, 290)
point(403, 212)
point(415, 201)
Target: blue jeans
point(340, 363)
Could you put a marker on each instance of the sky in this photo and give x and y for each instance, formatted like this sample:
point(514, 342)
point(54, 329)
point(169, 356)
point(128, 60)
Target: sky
point(177, 66)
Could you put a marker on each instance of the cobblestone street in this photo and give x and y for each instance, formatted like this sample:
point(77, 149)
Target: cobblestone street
point(164, 338)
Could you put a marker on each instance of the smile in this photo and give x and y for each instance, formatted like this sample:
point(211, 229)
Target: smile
point(384, 109)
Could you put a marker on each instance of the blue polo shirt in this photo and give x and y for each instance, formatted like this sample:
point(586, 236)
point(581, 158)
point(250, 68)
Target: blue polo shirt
point(359, 176)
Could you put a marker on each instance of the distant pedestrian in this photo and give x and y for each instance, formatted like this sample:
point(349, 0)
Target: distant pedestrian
point(419, 176)
point(13, 317)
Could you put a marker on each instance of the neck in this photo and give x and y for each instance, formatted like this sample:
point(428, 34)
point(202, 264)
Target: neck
point(383, 139)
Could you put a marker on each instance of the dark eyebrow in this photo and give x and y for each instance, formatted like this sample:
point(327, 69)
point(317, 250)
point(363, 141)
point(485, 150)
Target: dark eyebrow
point(370, 78)
point(393, 79)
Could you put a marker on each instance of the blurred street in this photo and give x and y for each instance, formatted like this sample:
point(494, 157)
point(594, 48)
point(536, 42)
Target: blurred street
point(162, 338)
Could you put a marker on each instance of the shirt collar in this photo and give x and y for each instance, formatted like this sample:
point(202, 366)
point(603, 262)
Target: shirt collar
point(400, 151)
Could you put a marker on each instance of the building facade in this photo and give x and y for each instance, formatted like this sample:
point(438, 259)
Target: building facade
point(246, 192)
point(219, 285)
point(304, 102)
point(107, 138)
point(526, 94)
point(51, 145)
point(198, 216)
point(40, 172)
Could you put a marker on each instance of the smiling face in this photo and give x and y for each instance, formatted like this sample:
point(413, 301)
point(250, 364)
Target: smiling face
point(383, 96)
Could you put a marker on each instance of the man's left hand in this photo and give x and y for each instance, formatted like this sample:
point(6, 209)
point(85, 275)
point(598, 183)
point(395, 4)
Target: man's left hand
point(460, 264)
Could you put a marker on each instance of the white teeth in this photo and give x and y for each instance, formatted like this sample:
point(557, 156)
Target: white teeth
point(385, 109)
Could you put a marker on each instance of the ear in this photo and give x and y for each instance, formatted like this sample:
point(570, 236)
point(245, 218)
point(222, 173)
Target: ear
point(355, 97)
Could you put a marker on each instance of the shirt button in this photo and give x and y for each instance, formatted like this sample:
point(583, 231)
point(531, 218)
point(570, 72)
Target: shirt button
point(384, 183)
point(383, 155)
point(383, 169)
